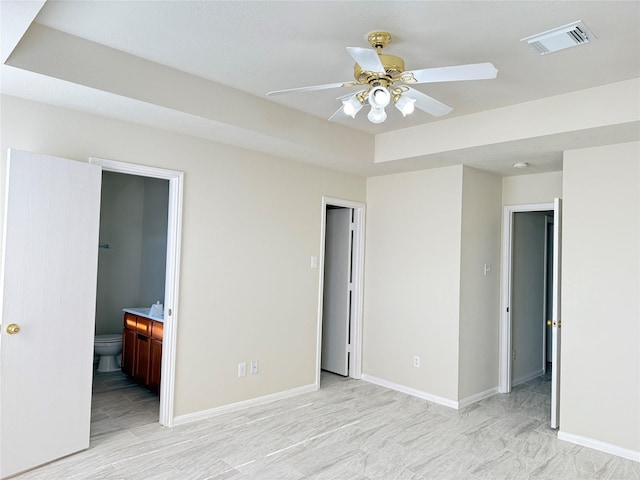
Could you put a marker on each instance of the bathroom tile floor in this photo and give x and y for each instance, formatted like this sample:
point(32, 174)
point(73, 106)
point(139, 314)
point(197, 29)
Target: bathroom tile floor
point(348, 430)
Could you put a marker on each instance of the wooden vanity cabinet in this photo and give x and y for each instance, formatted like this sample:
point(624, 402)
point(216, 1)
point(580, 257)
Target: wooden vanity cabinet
point(128, 351)
point(129, 335)
point(143, 355)
point(155, 365)
point(155, 360)
point(142, 350)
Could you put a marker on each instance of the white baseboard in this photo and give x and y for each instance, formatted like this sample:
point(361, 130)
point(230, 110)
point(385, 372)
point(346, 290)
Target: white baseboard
point(527, 377)
point(410, 391)
point(234, 407)
point(477, 397)
point(599, 445)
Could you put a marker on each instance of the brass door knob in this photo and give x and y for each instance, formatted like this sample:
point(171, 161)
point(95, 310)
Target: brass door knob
point(12, 329)
point(549, 322)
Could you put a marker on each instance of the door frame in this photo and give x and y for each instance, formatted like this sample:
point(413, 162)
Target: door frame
point(172, 274)
point(355, 364)
point(505, 311)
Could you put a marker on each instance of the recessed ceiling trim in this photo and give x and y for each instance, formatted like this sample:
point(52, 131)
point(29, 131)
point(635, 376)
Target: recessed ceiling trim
point(570, 35)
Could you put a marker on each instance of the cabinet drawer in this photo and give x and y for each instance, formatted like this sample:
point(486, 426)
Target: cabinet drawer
point(130, 321)
point(156, 330)
point(144, 326)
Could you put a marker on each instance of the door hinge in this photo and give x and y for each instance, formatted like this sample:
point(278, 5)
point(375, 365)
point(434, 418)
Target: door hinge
point(351, 287)
point(348, 348)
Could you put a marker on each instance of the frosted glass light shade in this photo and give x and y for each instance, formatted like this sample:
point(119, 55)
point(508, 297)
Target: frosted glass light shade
point(406, 105)
point(377, 115)
point(379, 97)
point(351, 106)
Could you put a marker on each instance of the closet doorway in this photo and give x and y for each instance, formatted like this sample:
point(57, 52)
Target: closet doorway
point(519, 299)
point(340, 296)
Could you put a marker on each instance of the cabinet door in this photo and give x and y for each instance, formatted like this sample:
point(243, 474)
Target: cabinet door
point(128, 351)
point(143, 355)
point(156, 365)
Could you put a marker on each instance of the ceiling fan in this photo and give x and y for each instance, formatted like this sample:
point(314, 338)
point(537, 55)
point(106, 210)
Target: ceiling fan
point(385, 80)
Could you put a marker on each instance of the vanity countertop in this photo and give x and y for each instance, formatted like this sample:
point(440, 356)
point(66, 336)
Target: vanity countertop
point(144, 312)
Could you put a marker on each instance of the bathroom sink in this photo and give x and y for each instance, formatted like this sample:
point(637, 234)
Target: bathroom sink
point(144, 312)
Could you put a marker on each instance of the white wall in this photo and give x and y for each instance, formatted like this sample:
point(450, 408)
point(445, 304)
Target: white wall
point(412, 279)
point(600, 382)
point(250, 224)
point(479, 293)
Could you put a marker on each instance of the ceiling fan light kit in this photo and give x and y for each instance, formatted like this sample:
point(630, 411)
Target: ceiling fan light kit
point(351, 106)
point(384, 78)
point(377, 115)
point(406, 105)
point(379, 97)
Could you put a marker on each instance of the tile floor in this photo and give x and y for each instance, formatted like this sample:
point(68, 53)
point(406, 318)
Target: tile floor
point(348, 430)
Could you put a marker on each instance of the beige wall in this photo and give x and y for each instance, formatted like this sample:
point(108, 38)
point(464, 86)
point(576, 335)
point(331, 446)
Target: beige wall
point(479, 293)
point(250, 224)
point(600, 382)
point(534, 188)
point(412, 279)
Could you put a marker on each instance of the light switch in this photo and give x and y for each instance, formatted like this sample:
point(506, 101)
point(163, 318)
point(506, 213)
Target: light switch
point(314, 262)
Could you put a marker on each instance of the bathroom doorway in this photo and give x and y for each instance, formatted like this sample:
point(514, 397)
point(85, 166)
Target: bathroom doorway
point(131, 274)
point(133, 246)
point(164, 272)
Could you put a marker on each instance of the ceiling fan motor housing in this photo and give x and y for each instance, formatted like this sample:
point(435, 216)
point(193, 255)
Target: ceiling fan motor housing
point(393, 66)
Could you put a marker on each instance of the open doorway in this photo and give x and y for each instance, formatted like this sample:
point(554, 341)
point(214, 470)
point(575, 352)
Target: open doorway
point(130, 287)
point(531, 298)
point(340, 290)
point(170, 269)
point(52, 210)
point(530, 294)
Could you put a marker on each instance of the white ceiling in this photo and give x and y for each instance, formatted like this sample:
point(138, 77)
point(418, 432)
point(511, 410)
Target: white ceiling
point(259, 46)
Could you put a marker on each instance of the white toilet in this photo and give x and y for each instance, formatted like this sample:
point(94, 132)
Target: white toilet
point(109, 347)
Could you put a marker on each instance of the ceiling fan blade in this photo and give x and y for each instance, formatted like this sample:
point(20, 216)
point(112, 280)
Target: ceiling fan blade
point(313, 88)
point(338, 115)
point(367, 59)
point(349, 95)
point(473, 71)
point(428, 104)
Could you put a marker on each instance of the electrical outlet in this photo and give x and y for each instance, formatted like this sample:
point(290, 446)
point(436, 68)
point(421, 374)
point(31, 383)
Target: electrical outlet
point(416, 362)
point(254, 367)
point(242, 369)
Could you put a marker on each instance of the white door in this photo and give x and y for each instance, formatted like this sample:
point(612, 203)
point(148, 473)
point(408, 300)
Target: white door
point(337, 295)
point(556, 320)
point(49, 272)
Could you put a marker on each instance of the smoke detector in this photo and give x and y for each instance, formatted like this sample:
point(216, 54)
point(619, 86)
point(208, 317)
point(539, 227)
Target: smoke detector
point(570, 35)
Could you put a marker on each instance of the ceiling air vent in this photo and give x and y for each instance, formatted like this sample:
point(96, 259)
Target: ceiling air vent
point(570, 35)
